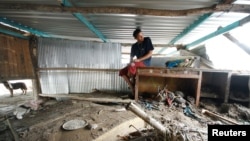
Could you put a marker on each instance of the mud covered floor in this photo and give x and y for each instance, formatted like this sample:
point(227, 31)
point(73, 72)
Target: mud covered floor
point(45, 123)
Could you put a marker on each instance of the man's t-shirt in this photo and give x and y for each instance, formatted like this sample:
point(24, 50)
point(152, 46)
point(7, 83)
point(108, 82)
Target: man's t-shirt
point(141, 49)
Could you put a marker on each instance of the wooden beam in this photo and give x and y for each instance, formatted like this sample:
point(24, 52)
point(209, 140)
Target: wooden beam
point(154, 54)
point(77, 69)
point(243, 46)
point(240, 8)
point(77, 97)
point(218, 116)
point(155, 45)
point(127, 10)
point(150, 120)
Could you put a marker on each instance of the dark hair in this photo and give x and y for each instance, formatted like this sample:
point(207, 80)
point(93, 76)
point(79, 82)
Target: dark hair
point(136, 32)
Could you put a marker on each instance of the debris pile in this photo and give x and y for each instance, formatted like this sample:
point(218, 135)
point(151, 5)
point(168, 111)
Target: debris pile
point(168, 116)
point(180, 118)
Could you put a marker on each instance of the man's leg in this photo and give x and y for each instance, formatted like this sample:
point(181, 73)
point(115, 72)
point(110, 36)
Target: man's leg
point(130, 84)
point(128, 74)
point(124, 74)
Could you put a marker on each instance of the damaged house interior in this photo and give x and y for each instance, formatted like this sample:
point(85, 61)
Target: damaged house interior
point(60, 63)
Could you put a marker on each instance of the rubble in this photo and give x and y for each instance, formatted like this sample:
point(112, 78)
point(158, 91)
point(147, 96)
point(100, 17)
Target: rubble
point(181, 119)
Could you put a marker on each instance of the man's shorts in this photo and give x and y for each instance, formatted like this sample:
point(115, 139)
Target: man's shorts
point(131, 69)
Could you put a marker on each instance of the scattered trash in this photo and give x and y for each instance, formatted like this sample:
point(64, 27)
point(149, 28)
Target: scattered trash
point(161, 95)
point(191, 62)
point(2, 127)
point(191, 100)
point(20, 111)
point(33, 104)
point(188, 111)
point(148, 105)
point(120, 110)
point(92, 126)
point(169, 97)
point(74, 124)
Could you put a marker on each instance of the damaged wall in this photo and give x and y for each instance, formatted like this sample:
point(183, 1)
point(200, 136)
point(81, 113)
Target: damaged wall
point(15, 60)
point(67, 66)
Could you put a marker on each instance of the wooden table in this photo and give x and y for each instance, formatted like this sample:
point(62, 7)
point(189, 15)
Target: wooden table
point(149, 79)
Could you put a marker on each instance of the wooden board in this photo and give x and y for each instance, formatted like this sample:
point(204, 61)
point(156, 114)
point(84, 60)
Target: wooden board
point(15, 59)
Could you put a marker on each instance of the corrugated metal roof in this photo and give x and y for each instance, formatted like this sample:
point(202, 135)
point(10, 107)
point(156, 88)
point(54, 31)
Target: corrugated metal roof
point(216, 20)
point(54, 24)
point(118, 27)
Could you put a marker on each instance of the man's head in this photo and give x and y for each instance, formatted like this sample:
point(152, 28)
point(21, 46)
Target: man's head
point(138, 35)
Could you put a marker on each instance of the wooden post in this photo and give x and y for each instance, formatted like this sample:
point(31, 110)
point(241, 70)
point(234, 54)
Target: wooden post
point(198, 89)
point(136, 87)
point(227, 88)
point(154, 123)
point(249, 92)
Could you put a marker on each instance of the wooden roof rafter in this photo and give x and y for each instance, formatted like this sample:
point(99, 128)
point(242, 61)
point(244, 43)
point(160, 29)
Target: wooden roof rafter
point(128, 10)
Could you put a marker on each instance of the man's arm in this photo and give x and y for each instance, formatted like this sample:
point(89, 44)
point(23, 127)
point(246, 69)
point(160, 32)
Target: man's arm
point(131, 59)
point(148, 55)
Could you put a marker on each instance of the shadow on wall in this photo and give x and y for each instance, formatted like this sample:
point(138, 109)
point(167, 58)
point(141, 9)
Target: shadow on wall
point(5, 91)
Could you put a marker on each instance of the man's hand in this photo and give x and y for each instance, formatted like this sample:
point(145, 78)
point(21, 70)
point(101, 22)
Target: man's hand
point(131, 64)
point(136, 60)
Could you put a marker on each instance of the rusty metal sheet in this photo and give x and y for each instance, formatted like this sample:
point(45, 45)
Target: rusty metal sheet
point(15, 60)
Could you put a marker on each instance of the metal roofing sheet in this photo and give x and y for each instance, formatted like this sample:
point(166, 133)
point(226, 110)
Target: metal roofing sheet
point(119, 27)
point(54, 24)
point(216, 20)
point(160, 29)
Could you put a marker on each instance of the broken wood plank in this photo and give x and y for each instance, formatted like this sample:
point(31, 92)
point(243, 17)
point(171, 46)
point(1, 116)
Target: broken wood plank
point(74, 97)
point(218, 116)
point(12, 130)
point(154, 123)
point(233, 39)
point(77, 69)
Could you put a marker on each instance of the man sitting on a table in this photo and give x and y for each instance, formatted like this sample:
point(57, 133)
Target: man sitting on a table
point(143, 50)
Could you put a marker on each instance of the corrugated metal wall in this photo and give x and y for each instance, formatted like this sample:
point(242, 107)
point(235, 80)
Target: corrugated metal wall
point(67, 66)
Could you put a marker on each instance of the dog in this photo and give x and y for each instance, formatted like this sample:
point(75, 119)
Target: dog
point(14, 86)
